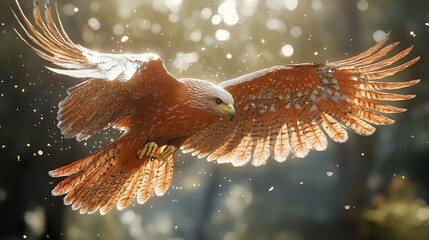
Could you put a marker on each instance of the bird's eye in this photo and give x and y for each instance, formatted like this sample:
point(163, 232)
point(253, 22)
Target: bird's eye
point(218, 101)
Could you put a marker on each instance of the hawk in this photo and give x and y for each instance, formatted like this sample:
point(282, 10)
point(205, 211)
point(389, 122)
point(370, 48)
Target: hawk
point(274, 113)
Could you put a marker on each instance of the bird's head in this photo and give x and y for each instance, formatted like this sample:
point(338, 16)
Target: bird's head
point(210, 97)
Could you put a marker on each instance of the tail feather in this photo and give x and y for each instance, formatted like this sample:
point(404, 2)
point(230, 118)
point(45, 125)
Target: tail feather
point(90, 168)
point(144, 193)
point(112, 176)
point(100, 190)
point(129, 192)
point(164, 176)
point(104, 191)
point(71, 168)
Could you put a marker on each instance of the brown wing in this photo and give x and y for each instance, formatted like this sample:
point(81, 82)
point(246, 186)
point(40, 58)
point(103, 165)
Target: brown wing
point(117, 81)
point(286, 111)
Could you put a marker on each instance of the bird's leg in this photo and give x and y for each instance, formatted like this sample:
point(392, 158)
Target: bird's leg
point(166, 153)
point(149, 149)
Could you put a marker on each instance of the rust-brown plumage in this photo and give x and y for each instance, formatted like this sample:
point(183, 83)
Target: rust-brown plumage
point(280, 112)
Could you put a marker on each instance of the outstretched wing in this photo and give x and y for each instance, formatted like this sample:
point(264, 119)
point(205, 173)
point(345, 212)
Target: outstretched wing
point(116, 81)
point(286, 110)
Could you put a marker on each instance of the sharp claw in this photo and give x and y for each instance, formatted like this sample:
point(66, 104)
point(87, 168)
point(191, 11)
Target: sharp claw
point(149, 149)
point(152, 150)
point(140, 153)
point(167, 152)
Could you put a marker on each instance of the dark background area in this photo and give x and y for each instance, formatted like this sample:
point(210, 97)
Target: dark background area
point(372, 187)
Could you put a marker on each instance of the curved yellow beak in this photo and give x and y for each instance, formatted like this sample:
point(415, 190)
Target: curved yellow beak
point(228, 110)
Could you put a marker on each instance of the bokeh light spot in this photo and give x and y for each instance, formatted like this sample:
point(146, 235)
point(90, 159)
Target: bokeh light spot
point(286, 50)
point(378, 35)
point(362, 5)
point(222, 35)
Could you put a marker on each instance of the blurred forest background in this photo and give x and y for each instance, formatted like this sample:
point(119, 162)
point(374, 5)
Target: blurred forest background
point(373, 187)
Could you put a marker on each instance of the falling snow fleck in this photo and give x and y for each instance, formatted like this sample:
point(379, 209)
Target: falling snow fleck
point(271, 189)
point(329, 174)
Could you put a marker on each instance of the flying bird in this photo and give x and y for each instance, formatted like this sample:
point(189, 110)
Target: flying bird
point(275, 113)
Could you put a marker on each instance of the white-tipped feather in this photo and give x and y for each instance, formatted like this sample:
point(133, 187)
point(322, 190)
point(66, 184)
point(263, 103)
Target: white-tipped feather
point(74, 60)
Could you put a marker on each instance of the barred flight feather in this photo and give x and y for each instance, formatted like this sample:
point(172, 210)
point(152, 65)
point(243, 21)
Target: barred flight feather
point(53, 44)
point(164, 176)
point(148, 183)
point(129, 192)
point(310, 100)
point(282, 146)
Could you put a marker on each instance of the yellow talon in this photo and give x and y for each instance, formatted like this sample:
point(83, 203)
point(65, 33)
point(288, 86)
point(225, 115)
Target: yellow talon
point(149, 149)
point(166, 153)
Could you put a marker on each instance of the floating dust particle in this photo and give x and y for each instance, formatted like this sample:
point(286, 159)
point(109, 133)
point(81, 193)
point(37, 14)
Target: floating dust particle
point(40, 152)
point(329, 174)
point(124, 38)
point(271, 189)
point(347, 207)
